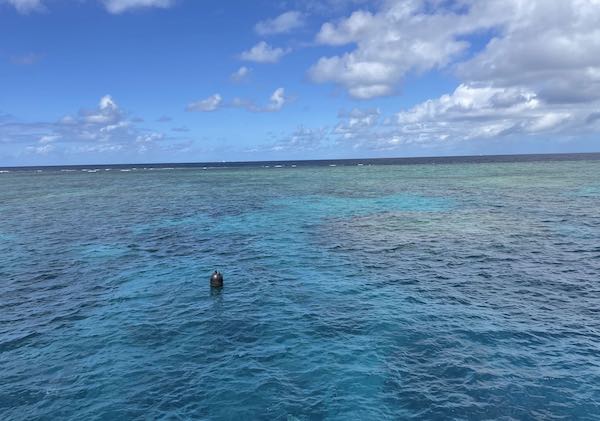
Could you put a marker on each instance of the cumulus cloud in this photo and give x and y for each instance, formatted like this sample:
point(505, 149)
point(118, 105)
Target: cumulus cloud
point(277, 100)
point(284, 23)
point(399, 39)
point(120, 6)
point(264, 53)
point(107, 113)
point(536, 75)
point(240, 74)
point(102, 128)
point(105, 128)
point(211, 103)
point(553, 45)
point(473, 112)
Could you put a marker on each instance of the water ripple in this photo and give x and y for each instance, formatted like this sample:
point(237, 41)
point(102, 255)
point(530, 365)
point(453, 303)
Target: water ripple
point(397, 292)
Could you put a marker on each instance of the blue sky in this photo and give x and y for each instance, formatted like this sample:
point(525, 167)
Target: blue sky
point(114, 81)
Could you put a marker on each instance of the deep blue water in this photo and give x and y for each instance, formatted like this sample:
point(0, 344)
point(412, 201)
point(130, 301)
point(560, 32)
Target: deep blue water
point(450, 291)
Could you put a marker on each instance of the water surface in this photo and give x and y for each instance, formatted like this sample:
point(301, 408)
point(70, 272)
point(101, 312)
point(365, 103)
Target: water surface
point(454, 291)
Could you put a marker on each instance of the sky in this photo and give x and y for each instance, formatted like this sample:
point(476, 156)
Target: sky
point(141, 81)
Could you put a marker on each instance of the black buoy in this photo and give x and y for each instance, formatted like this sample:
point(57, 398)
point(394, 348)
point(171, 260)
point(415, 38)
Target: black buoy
point(216, 280)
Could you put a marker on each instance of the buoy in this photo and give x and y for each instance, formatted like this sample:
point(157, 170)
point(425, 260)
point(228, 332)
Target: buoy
point(216, 280)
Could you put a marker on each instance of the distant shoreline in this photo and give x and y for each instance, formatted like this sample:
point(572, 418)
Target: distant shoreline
point(461, 159)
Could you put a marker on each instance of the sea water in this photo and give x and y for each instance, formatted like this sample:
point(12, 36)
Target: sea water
point(355, 292)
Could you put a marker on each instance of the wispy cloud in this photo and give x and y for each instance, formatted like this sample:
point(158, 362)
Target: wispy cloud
point(276, 102)
point(120, 6)
point(112, 6)
point(211, 103)
point(284, 23)
point(301, 139)
point(240, 74)
point(264, 53)
point(26, 59)
point(25, 6)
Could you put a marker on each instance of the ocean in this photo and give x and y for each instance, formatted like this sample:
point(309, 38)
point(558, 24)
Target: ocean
point(430, 288)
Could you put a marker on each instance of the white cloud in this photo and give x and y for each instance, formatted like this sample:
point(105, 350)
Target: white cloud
point(474, 102)
point(549, 121)
point(147, 141)
point(48, 139)
point(537, 75)
point(263, 53)
point(120, 6)
point(552, 45)
point(346, 31)
point(96, 148)
point(107, 112)
point(25, 6)
point(286, 22)
point(356, 122)
point(40, 150)
point(276, 102)
point(26, 59)
point(105, 128)
point(240, 74)
point(399, 39)
point(472, 112)
point(105, 124)
point(107, 103)
point(302, 139)
point(112, 6)
point(205, 105)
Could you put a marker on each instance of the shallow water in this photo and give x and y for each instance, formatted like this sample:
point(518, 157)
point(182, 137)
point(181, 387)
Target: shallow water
point(351, 292)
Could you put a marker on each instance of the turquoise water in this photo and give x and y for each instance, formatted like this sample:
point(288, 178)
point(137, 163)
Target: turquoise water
point(351, 293)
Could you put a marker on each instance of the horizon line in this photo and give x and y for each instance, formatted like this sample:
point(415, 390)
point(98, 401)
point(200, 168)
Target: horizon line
point(222, 163)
